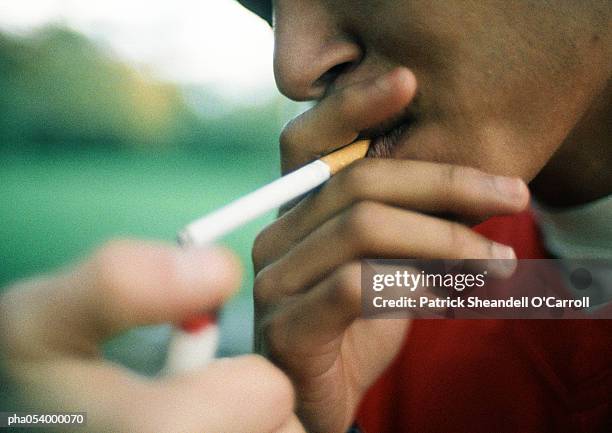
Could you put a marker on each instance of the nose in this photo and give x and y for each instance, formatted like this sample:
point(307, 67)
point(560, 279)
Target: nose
point(311, 50)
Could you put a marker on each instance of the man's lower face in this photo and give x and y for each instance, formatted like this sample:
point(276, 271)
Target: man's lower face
point(490, 75)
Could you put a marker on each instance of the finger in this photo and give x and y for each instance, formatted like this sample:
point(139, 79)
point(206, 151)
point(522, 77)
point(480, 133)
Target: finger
point(241, 395)
point(318, 316)
point(303, 335)
point(339, 118)
point(138, 283)
point(292, 426)
point(370, 229)
point(123, 285)
point(110, 396)
point(416, 185)
point(322, 314)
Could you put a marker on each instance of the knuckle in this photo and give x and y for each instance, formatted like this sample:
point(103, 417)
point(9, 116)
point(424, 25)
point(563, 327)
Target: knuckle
point(451, 180)
point(346, 289)
point(357, 180)
point(460, 239)
point(356, 225)
point(272, 331)
point(261, 248)
point(264, 285)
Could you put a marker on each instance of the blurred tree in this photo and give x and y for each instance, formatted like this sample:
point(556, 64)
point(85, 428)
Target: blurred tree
point(60, 90)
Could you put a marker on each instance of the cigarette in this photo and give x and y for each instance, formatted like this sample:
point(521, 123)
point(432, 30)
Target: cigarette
point(208, 229)
point(194, 343)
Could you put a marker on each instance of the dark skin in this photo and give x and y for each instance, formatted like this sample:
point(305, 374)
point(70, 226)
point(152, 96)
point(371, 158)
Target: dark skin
point(474, 100)
point(580, 170)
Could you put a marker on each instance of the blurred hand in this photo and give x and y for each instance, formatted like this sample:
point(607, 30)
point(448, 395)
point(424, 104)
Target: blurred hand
point(51, 329)
point(308, 282)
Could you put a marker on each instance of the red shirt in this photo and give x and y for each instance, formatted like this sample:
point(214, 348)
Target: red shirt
point(497, 375)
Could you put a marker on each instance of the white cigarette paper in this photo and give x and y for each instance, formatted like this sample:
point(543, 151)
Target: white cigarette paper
point(208, 229)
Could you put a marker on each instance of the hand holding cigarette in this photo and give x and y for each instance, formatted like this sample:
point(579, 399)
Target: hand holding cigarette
point(194, 343)
point(51, 329)
point(308, 281)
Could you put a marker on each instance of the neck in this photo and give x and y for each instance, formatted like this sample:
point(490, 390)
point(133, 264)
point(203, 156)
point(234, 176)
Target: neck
point(581, 169)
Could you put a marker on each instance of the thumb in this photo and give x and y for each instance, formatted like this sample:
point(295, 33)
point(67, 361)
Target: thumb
point(132, 283)
point(122, 285)
point(234, 395)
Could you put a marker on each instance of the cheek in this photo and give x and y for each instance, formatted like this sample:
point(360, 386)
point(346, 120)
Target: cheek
point(493, 150)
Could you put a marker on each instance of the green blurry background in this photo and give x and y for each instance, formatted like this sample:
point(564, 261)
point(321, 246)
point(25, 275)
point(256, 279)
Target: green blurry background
point(91, 149)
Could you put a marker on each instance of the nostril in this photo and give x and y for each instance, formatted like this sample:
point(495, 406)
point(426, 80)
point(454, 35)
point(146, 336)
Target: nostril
point(333, 73)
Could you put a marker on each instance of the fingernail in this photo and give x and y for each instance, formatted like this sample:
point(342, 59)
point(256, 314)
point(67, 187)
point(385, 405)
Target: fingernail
point(511, 188)
point(502, 252)
point(197, 267)
point(504, 260)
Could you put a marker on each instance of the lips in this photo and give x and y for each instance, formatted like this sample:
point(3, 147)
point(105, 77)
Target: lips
point(387, 137)
point(383, 145)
